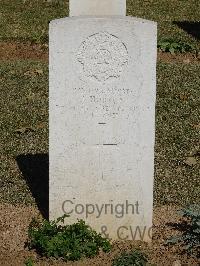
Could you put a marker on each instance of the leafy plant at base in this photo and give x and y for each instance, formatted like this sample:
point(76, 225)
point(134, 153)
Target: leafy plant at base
point(190, 238)
point(29, 262)
point(134, 258)
point(173, 47)
point(69, 242)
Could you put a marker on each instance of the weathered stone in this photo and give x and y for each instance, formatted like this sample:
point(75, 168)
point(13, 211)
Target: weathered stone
point(97, 8)
point(102, 122)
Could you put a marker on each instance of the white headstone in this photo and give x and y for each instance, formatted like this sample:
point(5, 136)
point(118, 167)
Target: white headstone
point(97, 8)
point(102, 123)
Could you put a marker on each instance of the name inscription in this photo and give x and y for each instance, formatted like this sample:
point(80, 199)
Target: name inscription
point(110, 102)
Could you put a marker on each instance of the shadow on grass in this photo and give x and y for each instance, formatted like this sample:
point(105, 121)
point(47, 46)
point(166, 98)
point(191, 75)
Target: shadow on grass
point(192, 28)
point(35, 169)
point(181, 226)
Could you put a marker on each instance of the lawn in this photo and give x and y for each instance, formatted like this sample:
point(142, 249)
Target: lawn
point(23, 125)
point(177, 134)
point(24, 129)
point(28, 20)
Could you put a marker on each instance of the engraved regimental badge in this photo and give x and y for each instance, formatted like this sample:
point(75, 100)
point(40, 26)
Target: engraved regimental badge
point(102, 57)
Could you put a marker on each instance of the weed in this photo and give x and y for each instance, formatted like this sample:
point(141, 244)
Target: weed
point(132, 258)
point(173, 47)
point(29, 262)
point(69, 242)
point(190, 238)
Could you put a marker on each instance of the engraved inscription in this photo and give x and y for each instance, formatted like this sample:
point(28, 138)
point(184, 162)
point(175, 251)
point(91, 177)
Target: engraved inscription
point(109, 103)
point(102, 57)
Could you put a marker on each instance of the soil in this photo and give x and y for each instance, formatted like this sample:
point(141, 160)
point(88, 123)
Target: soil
point(23, 51)
point(187, 58)
point(14, 221)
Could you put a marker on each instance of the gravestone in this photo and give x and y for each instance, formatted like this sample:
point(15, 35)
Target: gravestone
point(102, 122)
point(97, 7)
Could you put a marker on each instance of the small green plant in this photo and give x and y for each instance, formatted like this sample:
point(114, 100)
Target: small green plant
point(190, 238)
point(132, 258)
point(69, 242)
point(173, 47)
point(29, 262)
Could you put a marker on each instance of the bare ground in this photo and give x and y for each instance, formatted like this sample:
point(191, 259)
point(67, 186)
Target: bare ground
point(14, 221)
point(23, 51)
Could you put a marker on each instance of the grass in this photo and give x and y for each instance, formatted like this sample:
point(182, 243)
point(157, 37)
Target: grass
point(24, 99)
point(166, 13)
point(24, 129)
point(28, 20)
point(177, 133)
point(23, 124)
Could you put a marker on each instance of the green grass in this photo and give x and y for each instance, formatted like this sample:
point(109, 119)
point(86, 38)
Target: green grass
point(29, 21)
point(24, 129)
point(165, 13)
point(24, 104)
point(178, 102)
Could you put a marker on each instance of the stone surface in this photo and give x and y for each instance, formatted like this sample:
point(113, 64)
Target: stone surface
point(102, 123)
point(97, 8)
